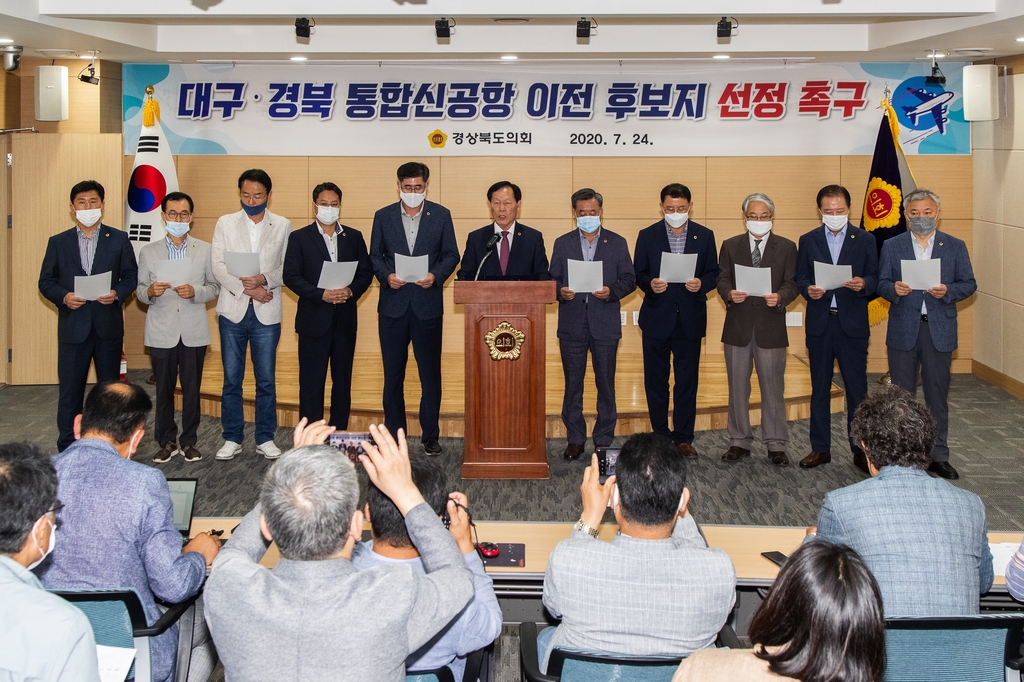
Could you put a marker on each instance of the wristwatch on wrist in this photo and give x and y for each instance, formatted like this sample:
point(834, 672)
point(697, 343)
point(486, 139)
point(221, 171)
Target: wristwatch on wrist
point(584, 528)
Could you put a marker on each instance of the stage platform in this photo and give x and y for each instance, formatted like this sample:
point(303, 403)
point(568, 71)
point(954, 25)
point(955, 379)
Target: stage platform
point(712, 398)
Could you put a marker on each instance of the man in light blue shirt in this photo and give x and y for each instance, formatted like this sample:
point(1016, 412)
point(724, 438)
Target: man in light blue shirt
point(42, 637)
point(479, 624)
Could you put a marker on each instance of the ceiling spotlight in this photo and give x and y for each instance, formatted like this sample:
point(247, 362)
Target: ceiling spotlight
point(1020, 40)
point(6, 41)
point(720, 56)
point(509, 57)
point(583, 27)
point(298, 59)
point(726, 28)
point(936, 78)
point(91, 79)
point(303, 26)
point(443, 27)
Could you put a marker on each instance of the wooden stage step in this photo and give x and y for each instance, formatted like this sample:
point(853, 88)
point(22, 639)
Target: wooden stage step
point(712, 397)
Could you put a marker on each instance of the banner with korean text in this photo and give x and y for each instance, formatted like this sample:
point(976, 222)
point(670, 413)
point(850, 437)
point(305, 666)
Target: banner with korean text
point(545, 109)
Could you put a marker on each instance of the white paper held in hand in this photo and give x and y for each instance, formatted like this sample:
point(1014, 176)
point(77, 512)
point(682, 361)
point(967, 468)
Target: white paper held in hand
point(337, 275)
point(174, 272)
point(411, 268)
point(242, 263)
point(585, 277)
point(1002, 554)
point(921, 274)
point(91, 287)
point(678, 268)
point(115, 662)
point(754, 281)
point(828, 276)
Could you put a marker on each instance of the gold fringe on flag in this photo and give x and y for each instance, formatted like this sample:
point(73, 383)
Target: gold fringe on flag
point(150, 109)
point(878, 311)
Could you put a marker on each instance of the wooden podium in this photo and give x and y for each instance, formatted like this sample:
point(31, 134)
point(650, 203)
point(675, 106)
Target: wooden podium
point(505, 356)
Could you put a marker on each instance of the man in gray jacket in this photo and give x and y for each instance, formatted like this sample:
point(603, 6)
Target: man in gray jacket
point(314, 616)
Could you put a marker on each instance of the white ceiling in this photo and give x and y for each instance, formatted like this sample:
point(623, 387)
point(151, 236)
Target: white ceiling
point(825, 30)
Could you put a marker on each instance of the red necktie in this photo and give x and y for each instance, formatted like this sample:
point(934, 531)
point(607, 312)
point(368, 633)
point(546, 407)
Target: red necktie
point(503, 250)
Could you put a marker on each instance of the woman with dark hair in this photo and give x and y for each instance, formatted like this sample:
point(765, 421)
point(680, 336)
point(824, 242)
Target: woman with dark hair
point(821, 622)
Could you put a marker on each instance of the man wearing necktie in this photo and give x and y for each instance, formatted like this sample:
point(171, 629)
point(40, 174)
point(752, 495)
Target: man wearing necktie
point(837, 319)
point(755, 333)
point(518, 252)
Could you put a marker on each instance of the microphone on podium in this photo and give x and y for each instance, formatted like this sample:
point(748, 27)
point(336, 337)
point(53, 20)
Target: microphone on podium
point(490, 249)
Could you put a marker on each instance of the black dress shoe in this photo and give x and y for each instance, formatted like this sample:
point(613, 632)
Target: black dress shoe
point(944, 469)
point(735, 454)
point(432, 448)
point(860, 460)
point(778, 458)
point(815, 459)
point(572, 452)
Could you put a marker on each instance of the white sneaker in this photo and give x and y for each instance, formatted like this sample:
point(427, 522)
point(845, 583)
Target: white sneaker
point(268, 450)
point(228, 451)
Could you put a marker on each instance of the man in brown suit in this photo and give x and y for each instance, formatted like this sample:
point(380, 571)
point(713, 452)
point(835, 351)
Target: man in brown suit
point(755, 330)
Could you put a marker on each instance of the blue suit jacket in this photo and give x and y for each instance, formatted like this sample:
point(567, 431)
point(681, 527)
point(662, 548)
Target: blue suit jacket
point(905, 311)
point(602, 316)
point(527, 260)
point(859, 252)
point(303, 262)
point(923, 538)
point(435, 239)
point(658, 311)
point(63, 262)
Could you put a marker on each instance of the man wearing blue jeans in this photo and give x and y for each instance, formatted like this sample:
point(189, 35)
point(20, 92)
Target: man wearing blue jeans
point(249, 310)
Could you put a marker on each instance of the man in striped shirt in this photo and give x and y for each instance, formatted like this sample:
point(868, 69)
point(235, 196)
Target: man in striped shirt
point(1015, 574)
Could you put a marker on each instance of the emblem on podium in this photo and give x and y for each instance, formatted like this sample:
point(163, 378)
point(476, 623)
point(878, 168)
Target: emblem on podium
point(505, 342)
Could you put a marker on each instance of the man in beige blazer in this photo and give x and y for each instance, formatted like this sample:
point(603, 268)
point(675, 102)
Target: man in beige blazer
point(177, 329)
point(249, 311)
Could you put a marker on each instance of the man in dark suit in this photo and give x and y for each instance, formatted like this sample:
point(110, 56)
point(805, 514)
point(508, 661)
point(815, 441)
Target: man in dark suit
point(837, 319)
point(87, 331)
point(590, 321)
point(922, 331)
point(326, 319)
point(516, 251)
point(413, 311)
point(755, 330)
point(674, 316)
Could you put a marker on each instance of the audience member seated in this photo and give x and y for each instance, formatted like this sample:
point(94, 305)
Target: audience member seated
point(480, 623)
point(314, 616)
point(656, 589)
point(117, 525)
point(1015, 574)
point(42, 637)
point(923, 538)
point(822, 620)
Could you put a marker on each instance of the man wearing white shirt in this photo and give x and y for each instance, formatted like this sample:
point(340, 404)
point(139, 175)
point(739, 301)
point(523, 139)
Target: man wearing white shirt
point(249, 311)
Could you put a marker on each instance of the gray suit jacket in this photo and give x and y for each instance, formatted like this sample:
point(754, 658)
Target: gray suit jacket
point(324, 620)
point(924, 540)
point(170, 316)
point(639, 597)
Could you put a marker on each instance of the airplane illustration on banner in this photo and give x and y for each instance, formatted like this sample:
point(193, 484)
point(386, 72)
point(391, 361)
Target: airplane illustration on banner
point(931, 103)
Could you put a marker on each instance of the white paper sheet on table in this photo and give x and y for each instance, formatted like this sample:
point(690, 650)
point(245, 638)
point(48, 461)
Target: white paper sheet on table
point(828, 276)
point(754, 281)
point(174, 272)
point(585, 277)
point(921, 274)
point(91, 287)
point(115, 662)
point(677, 267)
point(1002, 553)
point(337, 275)
point(242, 264)
point(411, 268)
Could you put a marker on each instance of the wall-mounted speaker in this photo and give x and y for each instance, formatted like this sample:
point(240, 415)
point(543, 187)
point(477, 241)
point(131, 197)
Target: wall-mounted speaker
point(981, 92)
point(51, 93)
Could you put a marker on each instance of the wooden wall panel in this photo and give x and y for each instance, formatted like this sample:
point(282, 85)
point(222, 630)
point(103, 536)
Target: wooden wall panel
point(546, 183)
point(631, 187)
point(368, 183)
point(5, 258)
point(212, 182)
point(791, 182)
point(10, 100)
point(83, 98)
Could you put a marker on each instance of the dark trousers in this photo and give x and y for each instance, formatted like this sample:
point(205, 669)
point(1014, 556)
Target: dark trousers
point(934, 366)
point(574, 367)
point(395, 335)
point(337, 347)
point(852, 354)
point(686, 362)
point(73, 361)
point(169, 364)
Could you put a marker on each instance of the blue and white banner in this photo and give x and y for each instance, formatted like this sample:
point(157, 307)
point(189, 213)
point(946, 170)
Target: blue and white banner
point(573, 109)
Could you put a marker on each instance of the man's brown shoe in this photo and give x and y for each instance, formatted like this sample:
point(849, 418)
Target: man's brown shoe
point(779, 459)
point(191, 453)
point(814, 459)
point(572, 452)
point(687, 450)
point(169, 449)
point(735, 454)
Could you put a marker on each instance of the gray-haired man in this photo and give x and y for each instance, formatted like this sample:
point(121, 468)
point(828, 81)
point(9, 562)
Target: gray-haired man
point(314, 614)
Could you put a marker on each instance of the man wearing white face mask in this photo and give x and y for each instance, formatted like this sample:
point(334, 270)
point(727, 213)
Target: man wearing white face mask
point(922, 330)
point(42, 637)
point(87, 331)
point(117, 528)
point(326, 319)
point(755, 330)
point(177, 328)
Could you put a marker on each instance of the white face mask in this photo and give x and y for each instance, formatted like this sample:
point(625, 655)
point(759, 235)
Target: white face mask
point(89, 217)
point(836, 223)
point(411, 199)
point(758, 228)
point(676, 220)
point(327, 215)
point(50, 545)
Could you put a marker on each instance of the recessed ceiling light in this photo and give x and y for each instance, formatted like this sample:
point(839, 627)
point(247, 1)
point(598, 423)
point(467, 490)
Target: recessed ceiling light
point(298, 59)
point(509, 57)
point(1020, 40)
point(6, 41)
point(174, 61)
point(721, 56)
point(510, 20)
point(55, 52)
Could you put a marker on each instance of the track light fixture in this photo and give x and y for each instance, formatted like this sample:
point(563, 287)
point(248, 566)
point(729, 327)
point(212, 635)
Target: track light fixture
point(443, 27)
point(584, 26)
point(91, 79)
point(936, 77)
point(727, 28)
point(303, 26)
